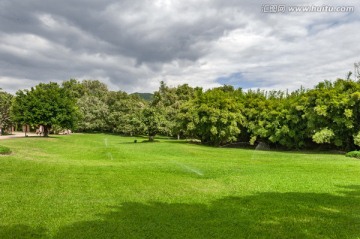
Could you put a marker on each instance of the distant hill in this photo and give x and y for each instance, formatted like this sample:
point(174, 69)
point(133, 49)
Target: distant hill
point(145, 96)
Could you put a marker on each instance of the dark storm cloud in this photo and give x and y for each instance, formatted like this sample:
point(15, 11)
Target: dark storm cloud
point(140, 30)
point(152, 36)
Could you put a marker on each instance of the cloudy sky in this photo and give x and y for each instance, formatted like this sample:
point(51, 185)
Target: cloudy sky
point(132, 45)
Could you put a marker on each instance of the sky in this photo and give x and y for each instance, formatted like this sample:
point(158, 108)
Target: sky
point(132, 45)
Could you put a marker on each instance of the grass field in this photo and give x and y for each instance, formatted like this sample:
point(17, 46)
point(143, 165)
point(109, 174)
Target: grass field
point(106, 186)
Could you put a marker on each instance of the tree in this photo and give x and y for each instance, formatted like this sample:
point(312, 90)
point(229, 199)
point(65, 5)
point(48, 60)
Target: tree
point(125, 113)
point(5, 105)
point(275, 117)
point(93, 114)
point(357, 139)
point(91, 99)
point(333, 114)
point(75, 88)
point(46, 105)
point(152, 119)
point(215, 117)
point(169, 101)
point(95, 88)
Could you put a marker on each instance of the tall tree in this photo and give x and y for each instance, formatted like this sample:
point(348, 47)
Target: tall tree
point(91, 96)
point(125, 113)
point(275, 117)
point(332, 112)
point(214, 116)
point(75, 88)
point(46, 105)
point(152, 119)
point(5, 105)
point(169, 101)
point(95, 88)
point(93, 114)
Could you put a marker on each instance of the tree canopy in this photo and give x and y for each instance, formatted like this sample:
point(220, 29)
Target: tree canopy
point(214, 116)
point(326, 116)
point(5, 105)
point(45, 104)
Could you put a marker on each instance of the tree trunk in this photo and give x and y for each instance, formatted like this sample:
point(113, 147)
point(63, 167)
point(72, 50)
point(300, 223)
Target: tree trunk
point(46, 131)
point(151, 138)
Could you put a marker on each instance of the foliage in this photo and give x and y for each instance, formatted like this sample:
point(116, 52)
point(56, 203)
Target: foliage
point(145, 96)
point(152, 120)
point(169, 101)
point(93, 114)
point(357, 139)
point(94, 88)
point(323, 136)
point(5, 106)
point(214, 116)
point(75, 88)
point(334, 106)
point(4, 150)
point(102, 110)
point(47, 105)
point(125, 113)
point(275, 117)
point(327, 114)
point(353, 154)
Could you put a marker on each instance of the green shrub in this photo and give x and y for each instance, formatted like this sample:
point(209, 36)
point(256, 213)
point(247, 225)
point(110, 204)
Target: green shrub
point(323, 136)
point(4, 150)
point(357, 139)
point(353, 154)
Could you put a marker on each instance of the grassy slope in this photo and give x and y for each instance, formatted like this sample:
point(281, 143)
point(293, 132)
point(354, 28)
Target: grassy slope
point(104, 186)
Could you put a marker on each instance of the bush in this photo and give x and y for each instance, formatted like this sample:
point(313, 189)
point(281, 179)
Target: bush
point(323, 136)
point(353, 154)
point(357, 139)
point(4, 150)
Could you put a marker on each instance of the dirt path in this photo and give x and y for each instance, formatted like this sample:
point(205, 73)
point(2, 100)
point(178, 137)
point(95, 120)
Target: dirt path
point(16, 135)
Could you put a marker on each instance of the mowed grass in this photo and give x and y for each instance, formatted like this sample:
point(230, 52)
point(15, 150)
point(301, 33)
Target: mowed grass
point(107, 186)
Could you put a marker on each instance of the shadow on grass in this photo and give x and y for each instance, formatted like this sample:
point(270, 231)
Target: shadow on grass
point(273, 215)
point(22, 231)
point(33, 137)
point(263, 215)
point(179, 141)
point(140, 142)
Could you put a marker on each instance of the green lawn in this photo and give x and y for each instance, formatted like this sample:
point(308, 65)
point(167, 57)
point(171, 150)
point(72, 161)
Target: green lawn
point(106, 186)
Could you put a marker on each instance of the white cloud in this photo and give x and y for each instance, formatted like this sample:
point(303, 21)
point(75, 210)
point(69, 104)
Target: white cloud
point(133, 45)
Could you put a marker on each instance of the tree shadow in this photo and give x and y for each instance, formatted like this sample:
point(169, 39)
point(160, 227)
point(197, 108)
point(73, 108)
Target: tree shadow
point(37, 137)
point(263, 215)
point(42, 137)
point(21, 231)
point(176, 141)
point(140, 142)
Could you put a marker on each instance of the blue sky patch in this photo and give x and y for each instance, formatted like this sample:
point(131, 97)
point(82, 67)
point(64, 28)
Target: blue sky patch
point(237, 80)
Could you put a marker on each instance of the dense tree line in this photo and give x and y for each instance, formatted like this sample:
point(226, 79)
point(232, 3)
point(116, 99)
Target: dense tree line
point(327, 115)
